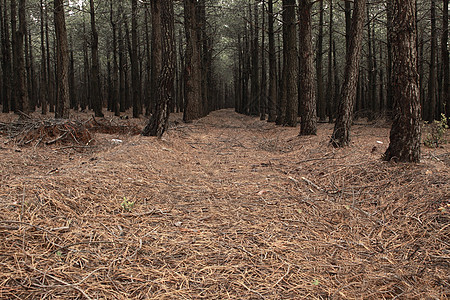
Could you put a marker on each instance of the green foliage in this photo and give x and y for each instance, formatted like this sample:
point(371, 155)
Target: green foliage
point(437, 132)
point(126, 204)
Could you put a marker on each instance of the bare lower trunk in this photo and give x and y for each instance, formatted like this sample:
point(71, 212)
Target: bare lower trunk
point(405, 132)
point(341, 133)
point(158, 122)
point(308, 124)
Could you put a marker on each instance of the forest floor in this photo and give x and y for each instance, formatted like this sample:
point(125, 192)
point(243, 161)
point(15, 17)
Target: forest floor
point(227, 207)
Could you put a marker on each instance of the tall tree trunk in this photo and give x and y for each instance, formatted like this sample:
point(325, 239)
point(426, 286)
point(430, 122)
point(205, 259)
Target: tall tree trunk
point(95, 66)
point(62, 54)
point(156, 58)
point(348, 23)
point(341, 132)
point(6, 60)
point(135, 80)
point(445, 58)
point(321, 105)
point(158, 122)
point(329, 94)
point(50, 71)
point(291, 63)
point(308, 123)
point(192, 75)
point(122, 62)
point(273, 80)
point(370, 69)
point(115, 67)
point(148, 63)
point(431, 105)
point(405, 132)
point(263, 97)
point(15, 57)
point(389, 87)
point(22, 93)
point(254, 89)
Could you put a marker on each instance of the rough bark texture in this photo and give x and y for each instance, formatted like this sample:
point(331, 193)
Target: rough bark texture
point(405, 132)
point(43, 93)
point(273, 81)
point(329, 93)
point(341, 132)
point(432, 78)
point(308, 123)
point(291, 63)
point(158, 122)
point(95, 67)
point(156, 57)
point(6, 60)
point(22, 94)
point(445, 59)
point(115, 67)
point(321, 105)
point(192, 75)
point(62, 54)
point(135, 78)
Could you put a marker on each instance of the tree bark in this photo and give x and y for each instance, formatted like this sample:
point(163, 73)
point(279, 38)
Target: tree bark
point(432, 78)
point(62, 54)
point(329, 93)
point(405, 132)
point(445, 58)
point(308, 123)
point(273, 80)
point(192, 75)
point(22, 93)
point(156, 58)
point(135, 80)
point(291, 63)
point(158, 122)
point(6, 60)
point(321, 105)
point(95, 66)
point(341, 132)
point(115, 67)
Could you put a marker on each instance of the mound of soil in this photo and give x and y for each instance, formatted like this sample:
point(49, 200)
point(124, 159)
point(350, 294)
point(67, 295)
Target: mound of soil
point(228, 207)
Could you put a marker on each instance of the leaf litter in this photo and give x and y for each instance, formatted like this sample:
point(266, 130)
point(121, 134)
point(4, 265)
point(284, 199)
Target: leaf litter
point(228, 207)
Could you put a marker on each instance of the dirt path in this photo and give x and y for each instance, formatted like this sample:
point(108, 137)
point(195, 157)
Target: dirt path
point(228, 207)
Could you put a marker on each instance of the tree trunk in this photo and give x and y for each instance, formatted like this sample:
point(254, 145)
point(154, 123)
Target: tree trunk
point(308, 123)
point(115, 67)
point(22, 93)
point(405, 132)
point(263, 97)
point(156, 58)
point(329, 94)
point(135, 80)
point(348, 23)
point(445, 58)
point(431, 105)
point(62, 54)
point(321, 105)
point(341, 133)
point(50, 70)
point(6, 60)
point(95, 66)
point(291, 63)
point(389, 96)
point(254, 89)
point(158, 122)
point(15, 57)
point(273, 81)
point(192, 75)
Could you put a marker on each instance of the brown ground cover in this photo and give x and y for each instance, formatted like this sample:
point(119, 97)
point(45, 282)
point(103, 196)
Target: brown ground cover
point(228, 207)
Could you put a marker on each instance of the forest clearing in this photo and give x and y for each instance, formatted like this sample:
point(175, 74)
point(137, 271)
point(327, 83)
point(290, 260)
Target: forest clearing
point(226, 207)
